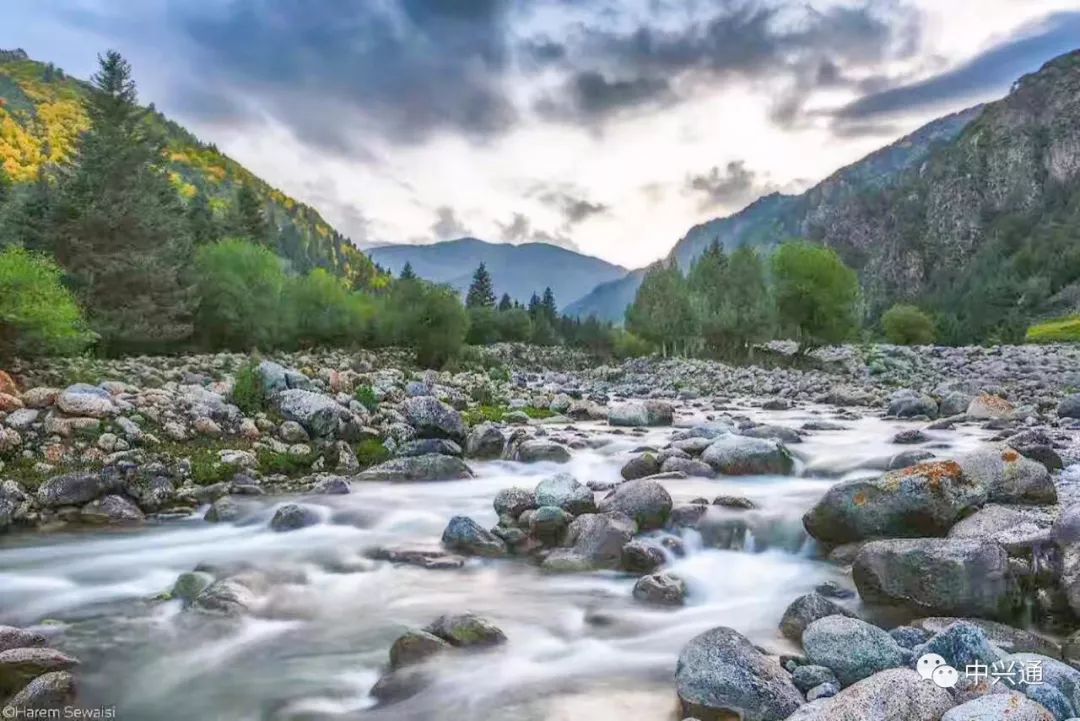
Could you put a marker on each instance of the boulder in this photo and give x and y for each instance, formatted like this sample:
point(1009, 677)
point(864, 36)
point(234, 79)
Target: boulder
point(1069, 407)
point(810, 676)
point(1057, 676)
point(424, 446)
point(466, 630)
point(598, 539)
point(547, 523)
point(537, 450)
point(223, 510)
point(734, 455)
point(985, 407)
point(922, 500)
point(434, 419)
point(432, 467)
point(13, 637)
point(485, 441)
point(907, 403)
point(514, 501)
point(292, 517)
point(721, 675)
point(74, 489)
point(957, 577)
point(1016, 528)
point(1007, 638)
point(640, 466)
point(413, 647)
point(688, 466)
point(564, 491)
point(464, 535)
point(1009, 477)
point(661, 589)
point(897, 694)
point(53, 691)
point(1066, 534)
point(85, 401)
point(642, 556)
point(641, 413)
point(189, 585)
point(779, 433)
point(318, 414)
point(999, 707)
point(111, 509)
point(647, 502)
point(227, 597)
point(19, 666)
point(806, 609)
point(851, 648)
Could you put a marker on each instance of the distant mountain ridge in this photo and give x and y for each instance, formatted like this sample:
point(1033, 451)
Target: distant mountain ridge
point(42, 116)
point(519, 270)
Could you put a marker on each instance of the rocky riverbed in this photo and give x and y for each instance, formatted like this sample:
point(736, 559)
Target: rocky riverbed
point(540, 536)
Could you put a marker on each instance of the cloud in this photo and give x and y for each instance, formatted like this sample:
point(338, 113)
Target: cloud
point(447, 225)
point(520, 230)
point(990, 71)
point(734, 185)
point(571, 203)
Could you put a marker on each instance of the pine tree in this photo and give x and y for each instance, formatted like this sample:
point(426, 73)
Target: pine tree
point(121, 232)
point(407, 273)
point(481, 293)
point(27, 218)
point(662, 311)
point(547, 304)
point(505, 303)
point(5, 186)
point(249, 216)
point(204, 228)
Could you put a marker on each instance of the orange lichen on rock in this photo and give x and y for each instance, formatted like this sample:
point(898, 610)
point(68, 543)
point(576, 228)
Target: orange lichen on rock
point(1010, 456)
point(7, 385)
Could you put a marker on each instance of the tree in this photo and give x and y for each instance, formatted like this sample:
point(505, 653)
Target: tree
point(481, 293)
point(428, 318)
point(548, 307)
point(709, 287)
point(505, 303)
point(515, 326)
point(37, 314)
point(240, 289)
point(249, 216)
point(662, 312)
point(816, 294)
point(204, 228)
point(324, 311)
point(747, 314)
point(5, 185)
point(407, 272)
point(483, 326)
point(534, 306)
point(121, 232)
point(27, 219)
point(907, 325)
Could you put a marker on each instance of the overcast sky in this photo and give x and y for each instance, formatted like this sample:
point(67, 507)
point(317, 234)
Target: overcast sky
point(610, 126)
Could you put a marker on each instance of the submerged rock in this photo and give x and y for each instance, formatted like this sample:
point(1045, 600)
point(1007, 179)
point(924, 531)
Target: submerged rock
point(661, 589)
point(466, 630)
point(292, 517)
point(538, 450)
point(465, 535)
point(413, 647)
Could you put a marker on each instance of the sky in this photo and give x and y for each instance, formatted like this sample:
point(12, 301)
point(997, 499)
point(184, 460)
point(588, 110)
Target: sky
point(605, 126)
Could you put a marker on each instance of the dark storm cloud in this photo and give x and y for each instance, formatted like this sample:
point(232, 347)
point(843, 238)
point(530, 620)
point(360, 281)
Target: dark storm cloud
point(517, 230)
point(447, 225)
point(570, 202)
point(734, 185)
point(409, 67)
point(990, 71)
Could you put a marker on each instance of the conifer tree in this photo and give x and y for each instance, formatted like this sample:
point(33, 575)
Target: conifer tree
point(121, 231)
point(505, 303)
point(481, 293)
point(249, 216)
point(407, 273)
point(204, 228)
point(547, 303)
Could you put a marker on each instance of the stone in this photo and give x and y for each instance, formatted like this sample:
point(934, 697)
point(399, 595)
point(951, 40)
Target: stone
point(642, 556)
point(464, 535)
point(547, 523)
point(111, 509)
point(1057, 676)
point(564, 491)
point(944, 577)
point(223, 510)
point(189, 585)
point(907, 403)
point(7, 384)
point(598, 539)
point(40, 397)
point(851, 648)
point(434, 419)
point(293, 432)
point(1069, 407)
point(19, 666)
point(688, 466)
point(514, 501)
point(53, 691)
point(1009, 477)
point(227, 597)
point(912, 435)
point(466, 630)
point(778, 433)
point(733, 455)
point(923, 500)
point(645, 501)
point(720, 676)
point(999, 707)
point(74, 489)
point(293, 517)
point(1016, 528)
point(485, 441)
point(641, 413)
point(317, 413)
point(22, 419)
point(85, 401)
point(13, 637)
point(332, 486)
point(413, 647)
point(1005, 637)
point(660, 589)
point(9, 403)
point(432, 467)
point(809, 676)
point(640, 466)
point(898, 694)
point(806, 609)
point(424, 446)
point(985, 407)
point(537, 450)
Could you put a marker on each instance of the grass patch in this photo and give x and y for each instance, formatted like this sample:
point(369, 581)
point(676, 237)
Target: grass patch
point(271, 462)
point(1063, 330)
point(365, 396)
point(247, 394)
point(495, 414)
point(371, 452)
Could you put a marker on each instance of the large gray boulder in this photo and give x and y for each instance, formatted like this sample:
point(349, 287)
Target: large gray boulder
point(86, 401)
point(640, 466)
point(734, 455)
point(1066, 534)
point(645, 501)
point(1005, 637)
point(922, 500)
point(897, 694)
point(806, 609)
point(485, 441)
point(537, 450)
point(466, 630)
point(853, 649)
point(999, 707)
point(318, 414)
point(945, 577)
point(465, 535)
point(986, 407)
point(434, 419)
point(431, 467)
point(1060, 687)
point(1069, 406)
point(597, 540)
point(1017, 528)
point(641, 413)
point(907, 403)
point(293, 517)
point(564, 491)
point(74, 489)
point(1009, 477)
point(514, 501)
point(19, 666)
point(53, 691)
point(113, 510)
point(720, 675)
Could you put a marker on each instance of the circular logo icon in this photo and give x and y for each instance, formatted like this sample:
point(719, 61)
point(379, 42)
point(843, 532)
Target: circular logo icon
point(945, 676)
point(927, 663)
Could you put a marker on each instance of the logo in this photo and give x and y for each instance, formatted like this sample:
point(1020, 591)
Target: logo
point(932, 667)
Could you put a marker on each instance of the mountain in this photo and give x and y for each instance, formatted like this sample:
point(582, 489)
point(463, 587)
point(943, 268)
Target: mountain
point(42, 115)
point(774, 218)
point(519, 270)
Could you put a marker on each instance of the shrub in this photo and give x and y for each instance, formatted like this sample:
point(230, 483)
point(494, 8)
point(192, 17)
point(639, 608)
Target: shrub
point(247, 393)
point(207, 469)
point(371, 452)
point(323, 310)
point(1064, 330)
point(480, 414)
point(627, 345)
point(365, 396)
point(907, 325)
point(272, 462)
point(240, 287)
point(38, 316)
point(428, 318)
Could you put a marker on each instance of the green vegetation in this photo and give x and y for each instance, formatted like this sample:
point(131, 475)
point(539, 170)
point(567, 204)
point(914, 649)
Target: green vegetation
point(371, 452)
point(816, 294)
point(365, 396)
point(271, 462)
point(37, 314)
point(1064, 330)
point(240, 288)
point(907, 325)
point(495, 414)
point(247, 393)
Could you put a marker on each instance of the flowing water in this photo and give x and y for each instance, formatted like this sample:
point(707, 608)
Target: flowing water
point(580, 646)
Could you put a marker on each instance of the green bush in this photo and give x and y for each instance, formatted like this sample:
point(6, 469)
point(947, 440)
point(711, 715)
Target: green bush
point(1064, 330)
point(627, 345)
point(240, 288)
point(817, 296)
point(207, 469)
point(371, 452)
point(907, 325)
point(480, 414)
point(247, 393)
point(365, 396)
point(427, 318)
point(38, 316)
point(271, 462)
point(323, 311)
